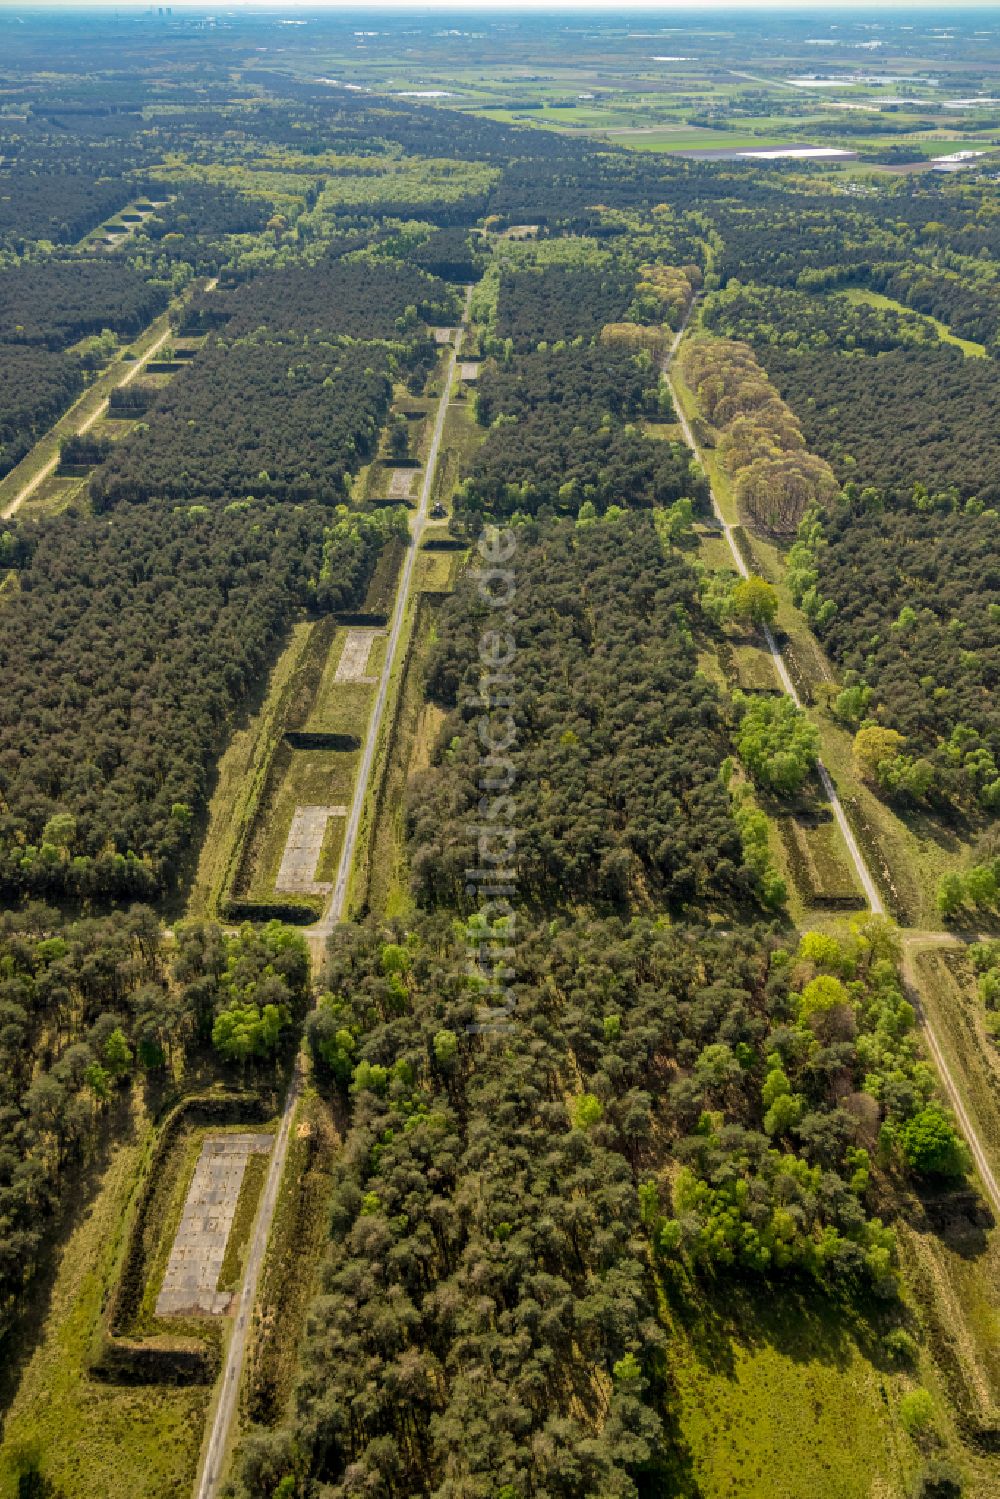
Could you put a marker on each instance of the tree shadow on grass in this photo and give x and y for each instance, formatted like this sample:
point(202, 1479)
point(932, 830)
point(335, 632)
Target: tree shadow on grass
point(959, 1216)
point(792, 1315)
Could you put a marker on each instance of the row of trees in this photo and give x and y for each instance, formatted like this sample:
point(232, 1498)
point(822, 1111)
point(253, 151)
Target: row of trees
point(761, 443)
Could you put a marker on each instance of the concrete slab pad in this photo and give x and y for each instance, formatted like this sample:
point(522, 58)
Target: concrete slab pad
point(191, 1279)
point(297, 873)
point(401, 483)
point(354, 656)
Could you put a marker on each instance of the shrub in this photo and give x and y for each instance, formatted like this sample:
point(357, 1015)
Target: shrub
point(916, 1411)
point(931, 1144)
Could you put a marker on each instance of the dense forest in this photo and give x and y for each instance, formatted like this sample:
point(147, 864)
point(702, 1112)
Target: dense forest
point(610, 718)
point(36, 386)
point(562, 434)
point(908, 601)
point(57, 205)
point(506, 1212)
point(275, 417)
point(135, 638)
point(195, 222)
point(893, 421)
point(559, 302)
point(796, 321)
point(876, 391)
point(357, 298)
point(451, 254)
point(57, 302)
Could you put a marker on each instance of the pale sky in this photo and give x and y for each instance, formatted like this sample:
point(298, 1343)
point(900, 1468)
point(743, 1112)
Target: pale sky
point(657, 7)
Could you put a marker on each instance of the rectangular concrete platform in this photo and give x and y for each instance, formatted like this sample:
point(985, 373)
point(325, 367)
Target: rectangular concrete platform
point(354, 656)
point(191, 1280)
point(297, 872)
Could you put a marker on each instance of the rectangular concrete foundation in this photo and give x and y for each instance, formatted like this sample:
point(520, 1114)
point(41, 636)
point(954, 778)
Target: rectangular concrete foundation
point(354, 656)
point(191, 1280)
point(303, 847)
point(400, 483)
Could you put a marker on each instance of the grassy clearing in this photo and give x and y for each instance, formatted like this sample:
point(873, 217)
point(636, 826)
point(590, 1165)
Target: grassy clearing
point(954, 1273)
point(313, 777)
point(261, 779)
point(783, 1397)
point(171, 1190)
point(434, 571)
point(55, 493)
point(387, 889)
point(94, 1440)
point(333, 842)
point(367, 847)
point(777, 1400)
point(340, 707)
point(754, 668)
point(376, 656)
point(299, 1234)
point(663, 431)
point(462, 436)
point(968, 346)
point(240, 777)
point(818, 863)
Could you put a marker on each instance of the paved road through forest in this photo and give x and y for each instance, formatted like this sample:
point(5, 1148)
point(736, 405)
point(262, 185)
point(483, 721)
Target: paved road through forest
point(224, 1414)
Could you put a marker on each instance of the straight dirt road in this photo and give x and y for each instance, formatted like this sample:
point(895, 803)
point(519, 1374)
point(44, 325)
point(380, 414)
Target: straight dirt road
point(912, 941)
point(223, 1417)
point(864, 875)
point(78, 429)
point(335, 910)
